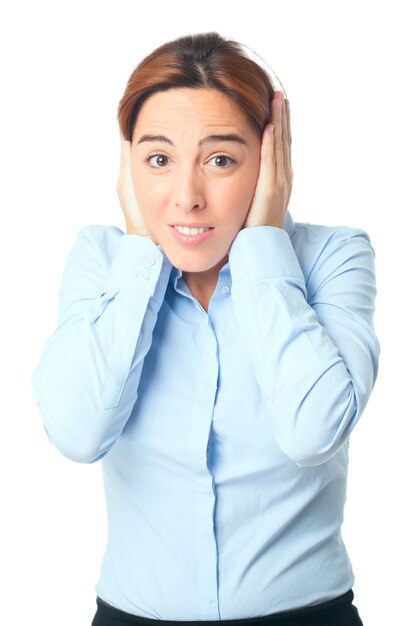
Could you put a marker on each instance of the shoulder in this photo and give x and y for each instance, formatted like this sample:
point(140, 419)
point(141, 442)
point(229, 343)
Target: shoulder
point(322, 250)
point(319, 236)
point(101, 234)
point(100, 240)
point(311, 240)
point(93, 250)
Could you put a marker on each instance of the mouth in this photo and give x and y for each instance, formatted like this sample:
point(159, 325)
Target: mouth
point(190, 236)
point(191, 229)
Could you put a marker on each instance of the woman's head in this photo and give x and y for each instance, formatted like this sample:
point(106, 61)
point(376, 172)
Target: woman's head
point(195, 61)
point(177, 104)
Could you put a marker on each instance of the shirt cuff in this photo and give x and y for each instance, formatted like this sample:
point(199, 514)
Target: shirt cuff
point(263, 252)
point(138, 265)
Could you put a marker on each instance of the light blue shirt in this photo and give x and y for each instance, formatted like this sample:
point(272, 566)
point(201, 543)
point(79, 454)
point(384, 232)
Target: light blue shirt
point(223, 436)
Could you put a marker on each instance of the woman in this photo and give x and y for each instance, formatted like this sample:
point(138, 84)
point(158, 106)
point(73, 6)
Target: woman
point(216, 357)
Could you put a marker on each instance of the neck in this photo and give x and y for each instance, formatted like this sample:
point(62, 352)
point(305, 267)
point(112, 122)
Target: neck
point(203, 284)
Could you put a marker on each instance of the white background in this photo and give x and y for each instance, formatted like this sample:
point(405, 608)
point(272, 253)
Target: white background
point(349, 75)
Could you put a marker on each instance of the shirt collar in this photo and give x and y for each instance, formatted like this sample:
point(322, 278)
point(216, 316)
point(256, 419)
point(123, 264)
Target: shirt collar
point(289, 226)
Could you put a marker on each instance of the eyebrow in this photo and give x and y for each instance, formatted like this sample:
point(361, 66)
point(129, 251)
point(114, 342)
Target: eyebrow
point(209, 139)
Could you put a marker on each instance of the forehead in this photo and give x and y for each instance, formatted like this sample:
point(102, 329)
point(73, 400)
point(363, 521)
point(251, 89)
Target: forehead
point(185, 107)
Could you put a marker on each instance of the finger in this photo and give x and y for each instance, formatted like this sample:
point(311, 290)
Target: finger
point(287, 104)
point(277, 98)
point(277, 116)
point(121, 165)
point(285, 142)
point(125, 181)
point(125, 159)
point(266, 175)
point(267, 170)
point(278, 95)
point(122, 156)
point(125, 151)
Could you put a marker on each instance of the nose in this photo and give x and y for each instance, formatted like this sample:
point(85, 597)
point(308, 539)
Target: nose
point(188, 193)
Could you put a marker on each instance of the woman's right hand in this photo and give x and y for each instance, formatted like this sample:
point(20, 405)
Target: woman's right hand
point(135, 224)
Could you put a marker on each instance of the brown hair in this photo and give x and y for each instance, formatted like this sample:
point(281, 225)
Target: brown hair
point(201, 60)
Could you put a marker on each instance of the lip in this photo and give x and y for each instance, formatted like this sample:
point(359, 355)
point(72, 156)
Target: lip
point(190, 240)
point(191, 225)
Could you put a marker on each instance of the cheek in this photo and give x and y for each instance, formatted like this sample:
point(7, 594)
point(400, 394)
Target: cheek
point(150, 197)
point(240, 195)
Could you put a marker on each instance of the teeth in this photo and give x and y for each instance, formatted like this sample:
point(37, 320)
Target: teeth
point(190, 231)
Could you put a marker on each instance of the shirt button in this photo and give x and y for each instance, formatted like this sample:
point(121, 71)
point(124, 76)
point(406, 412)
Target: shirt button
point(150, 260)
point(238, 258)
point(225, 289)
point(144, 276)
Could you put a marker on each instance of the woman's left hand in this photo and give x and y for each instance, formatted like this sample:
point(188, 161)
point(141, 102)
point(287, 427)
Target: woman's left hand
point(274, 184)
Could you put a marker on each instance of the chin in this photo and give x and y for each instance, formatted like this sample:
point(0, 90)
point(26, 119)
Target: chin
point(195, 267)
point(194, 261)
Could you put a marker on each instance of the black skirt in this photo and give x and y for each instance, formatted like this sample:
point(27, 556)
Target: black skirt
point(337, 612)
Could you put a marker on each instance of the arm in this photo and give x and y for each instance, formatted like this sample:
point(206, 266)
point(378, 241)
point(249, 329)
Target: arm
point(87, 378)
point(314, 351)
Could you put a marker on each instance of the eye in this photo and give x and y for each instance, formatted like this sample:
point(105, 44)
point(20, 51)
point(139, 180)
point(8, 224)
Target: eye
point(152, 156)
point(220, 157)
point(220, 160)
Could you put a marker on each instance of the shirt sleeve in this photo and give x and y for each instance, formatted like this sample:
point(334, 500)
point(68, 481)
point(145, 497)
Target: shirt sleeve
point(86, 381)
point(312, 344)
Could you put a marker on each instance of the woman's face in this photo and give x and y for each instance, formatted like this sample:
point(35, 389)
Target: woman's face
point(184, 175)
